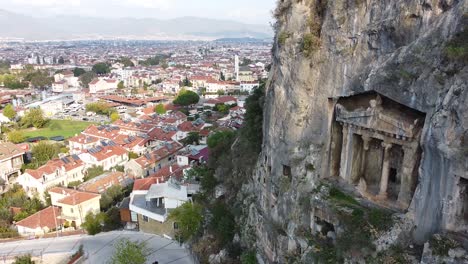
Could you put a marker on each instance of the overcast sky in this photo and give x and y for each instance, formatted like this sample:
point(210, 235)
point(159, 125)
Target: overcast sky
point(248, 11)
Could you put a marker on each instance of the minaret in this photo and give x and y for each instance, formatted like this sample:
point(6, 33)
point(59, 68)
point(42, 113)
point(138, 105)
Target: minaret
point(236, 67)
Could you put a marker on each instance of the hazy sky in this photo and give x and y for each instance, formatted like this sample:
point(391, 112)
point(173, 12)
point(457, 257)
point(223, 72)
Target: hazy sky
point(248, 11)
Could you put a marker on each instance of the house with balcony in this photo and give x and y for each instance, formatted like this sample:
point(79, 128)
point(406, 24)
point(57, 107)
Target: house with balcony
point(56, 172)
point(74, 204)
point(11, 160)
point(150, 205)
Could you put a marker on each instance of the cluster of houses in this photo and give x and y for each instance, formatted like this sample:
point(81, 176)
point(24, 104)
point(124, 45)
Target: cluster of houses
point(145, 151)
point(169, 80)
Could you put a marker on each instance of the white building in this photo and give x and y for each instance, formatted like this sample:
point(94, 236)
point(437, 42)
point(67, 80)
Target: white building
point(107, 157)
point(249, 86)
point(55, 172)
point(59, 86)
point(102, 85)
point(68, 77)
point(151, 202)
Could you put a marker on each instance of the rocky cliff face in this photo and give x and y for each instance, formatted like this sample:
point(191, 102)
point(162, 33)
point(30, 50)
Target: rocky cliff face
point(411, 51)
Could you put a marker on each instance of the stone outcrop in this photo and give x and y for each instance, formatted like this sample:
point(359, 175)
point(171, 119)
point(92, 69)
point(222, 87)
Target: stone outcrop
point(413, 54)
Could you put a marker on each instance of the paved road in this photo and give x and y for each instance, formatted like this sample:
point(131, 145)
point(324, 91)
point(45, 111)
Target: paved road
point(99, 248)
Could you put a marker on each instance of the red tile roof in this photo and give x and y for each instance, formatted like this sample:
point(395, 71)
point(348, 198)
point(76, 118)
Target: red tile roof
point(101, 183)
point(188, 126)
point(73, 197)
point(56, 164)
point(144, 184)
point(9, 150)
point(169, 171)
point(109, 151)
point(48, 217)
point(158, 154)
point(159, 134)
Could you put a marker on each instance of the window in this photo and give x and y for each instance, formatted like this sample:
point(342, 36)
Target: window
point(71, 210)
point(286, 170)
point(145, 218)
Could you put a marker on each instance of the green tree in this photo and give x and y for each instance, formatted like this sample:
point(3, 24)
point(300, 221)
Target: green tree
point(111, 196)
point(86, 78)
point(189, 218)
point(12, 82)
point(101, 68)
point(132, 155)
point(222, 223)
point(222, 108)
point(156, 60)
point(9, 111)
point(192, 138)
point(4, 66)
point(127, 252)
point(34, 118)
point(220, 138)
point(25, 259)
point(93, 223)
point(186, 82)
point(39, 79)
point(100, 108)
point(160, 109)
point(164, 64)
point(112, 219)
point(114, 116)
point(246, 62)
point(16, 136)
point(220, 146)
point(206, 177)
point(248, 258)
point(93, 172)
point(77, 72)
point(186, 98)
point(252, 130)
point(121, 85)
point(42, 152)
point(126, 62)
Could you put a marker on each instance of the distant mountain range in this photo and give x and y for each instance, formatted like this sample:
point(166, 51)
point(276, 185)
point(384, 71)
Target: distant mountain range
point(17, 26)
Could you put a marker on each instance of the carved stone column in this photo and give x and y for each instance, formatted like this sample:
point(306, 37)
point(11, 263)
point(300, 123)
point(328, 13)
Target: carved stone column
point(363, 159)
point(409, 161)
point(346, 152)
point(385, 171)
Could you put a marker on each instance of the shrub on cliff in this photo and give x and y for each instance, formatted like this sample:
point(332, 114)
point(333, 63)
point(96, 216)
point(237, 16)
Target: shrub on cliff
point(189, 218)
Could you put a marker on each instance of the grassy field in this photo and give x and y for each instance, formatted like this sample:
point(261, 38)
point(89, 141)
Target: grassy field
point(65, 128)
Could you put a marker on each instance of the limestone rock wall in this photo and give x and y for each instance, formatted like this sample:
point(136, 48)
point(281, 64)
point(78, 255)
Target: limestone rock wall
point(397, 48)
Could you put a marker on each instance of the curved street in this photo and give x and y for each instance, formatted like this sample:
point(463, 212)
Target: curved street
point(98, 249)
